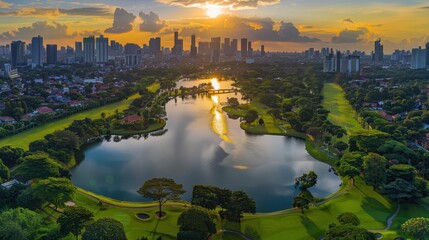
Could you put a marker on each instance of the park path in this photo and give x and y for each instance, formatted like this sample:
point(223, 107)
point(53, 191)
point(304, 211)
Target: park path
point(389, 221)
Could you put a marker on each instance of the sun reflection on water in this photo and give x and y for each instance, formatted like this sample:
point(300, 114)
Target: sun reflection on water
point(218, 122)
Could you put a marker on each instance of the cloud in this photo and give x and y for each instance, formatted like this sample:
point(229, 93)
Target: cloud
point(45, 12)
point(231, 4)
point(50, 31)
point(90, 33)
point(350, 36)
point(122, 22)
point(348, 20)
point(4, 4)
point(151, 22)
point(255, 29)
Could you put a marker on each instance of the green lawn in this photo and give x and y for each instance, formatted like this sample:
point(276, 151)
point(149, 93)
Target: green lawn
point(341, 112)
point(23, 139)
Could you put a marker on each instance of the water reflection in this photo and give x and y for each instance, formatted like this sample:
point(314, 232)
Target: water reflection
point(198, 149)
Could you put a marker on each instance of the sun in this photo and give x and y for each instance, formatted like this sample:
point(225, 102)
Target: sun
point(213, 11)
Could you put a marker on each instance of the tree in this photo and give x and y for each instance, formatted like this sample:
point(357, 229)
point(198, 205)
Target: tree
point(38, 165)
point(374, 167)
point(347, 170)
point(104, 229)
point(348, 218)
point(401, 190)
point(417, 228)
point(303, 200)
point(348, 232)
point(54, 190)
point(10, 155)
point(19, 224)
point(251, 116)
point(307, 180)
point(4, 172)
point(233, 102)
point(239, 203)
point(341, 146)
point(161, 190)
point(197, 221)
point(74, 219)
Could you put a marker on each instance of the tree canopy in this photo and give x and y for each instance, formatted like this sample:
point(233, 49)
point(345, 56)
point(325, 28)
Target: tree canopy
point(38, 166)
point(54, 190)
point(104, 229)
point(74, 219)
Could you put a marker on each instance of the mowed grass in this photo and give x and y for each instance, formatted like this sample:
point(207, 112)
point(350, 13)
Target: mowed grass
point(372, 209)
point(23, 139)
point(341, 112)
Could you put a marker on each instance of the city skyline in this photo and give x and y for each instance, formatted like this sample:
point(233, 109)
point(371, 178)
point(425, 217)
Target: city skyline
point(279, 25)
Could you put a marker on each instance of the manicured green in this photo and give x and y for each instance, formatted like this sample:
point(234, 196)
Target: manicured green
point(341, 112)
point(154, 87)
point(23, 139)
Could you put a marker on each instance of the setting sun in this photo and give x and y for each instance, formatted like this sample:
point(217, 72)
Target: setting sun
point(213, 11)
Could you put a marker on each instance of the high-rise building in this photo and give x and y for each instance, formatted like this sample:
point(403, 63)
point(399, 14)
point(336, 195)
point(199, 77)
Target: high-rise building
point(102, 49)
point(51, 54)
point(89, 49)
point(215, 50)
point(37, 51)
point(178, 45)
point(17, 53)
point(204, 48)
point(78, 51)
point(234, 47)
point(427, 54)
point(227, 46)
point(155, 45)
point(244, 48)
point(262, 50)
point(378, 55)
point(249, 49)
point(132, 55)
point(193, 46)
point(329, 63)
point(418, 58)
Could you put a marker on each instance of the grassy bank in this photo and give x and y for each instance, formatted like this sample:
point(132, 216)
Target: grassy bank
point(151, 128)
point(23, 139)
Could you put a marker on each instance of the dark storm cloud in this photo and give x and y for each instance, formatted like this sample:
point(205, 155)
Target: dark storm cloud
point(349, 36)
point(151, 22)
point(122, 22)
point(88, 11)
point(348, 20)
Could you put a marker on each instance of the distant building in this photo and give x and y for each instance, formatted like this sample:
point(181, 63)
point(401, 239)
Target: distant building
point(155, 46)
point(37, 51)
point(378, 54)
point(249, 49)
point(18, 53)
point(178, 45)
point(418, 58)
point(204, 48)
point(102, 49)
point(234, 47)
point(194, 50)
point(244, 48)
point(427, 54)
point(78, 51)
point(89, 49)
point(262, 50)
point(341, 64)
point(215, 50)
point(51, 54)
point(132, 55)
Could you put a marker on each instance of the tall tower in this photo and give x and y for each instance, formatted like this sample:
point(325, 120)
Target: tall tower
point(427, 54)
point(262, 50)
point(193, 46)
point(89, 49)
point(78, 51)
point(244, 48)
point(249, 49)
point(51, 54)
point(215, 50)
point(17, 53)
point(102, 49)
point(37, 51)
point(378, 51)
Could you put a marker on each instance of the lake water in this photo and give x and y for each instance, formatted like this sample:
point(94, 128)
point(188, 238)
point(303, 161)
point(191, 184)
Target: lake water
point(203, 146)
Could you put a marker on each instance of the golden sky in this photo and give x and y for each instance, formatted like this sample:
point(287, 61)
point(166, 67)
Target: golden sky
point(280, 25)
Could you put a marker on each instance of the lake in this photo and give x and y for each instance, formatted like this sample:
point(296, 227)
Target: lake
point(204, 146)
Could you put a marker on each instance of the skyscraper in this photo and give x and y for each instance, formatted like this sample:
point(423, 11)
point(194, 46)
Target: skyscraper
point(378, 51)
point(89, 49)
point(215, 50)
point(37, 51)
point(203, 48)
point(193, 46)
point(227, 46)
point(418, 58)
point(178, 45)
point(234, 47)
point(17, 53)
point(102, 49)
point(249, 49)
point(262, 50)
point(244, 48)
point(51, 54)
point(78, 51)
point(132, 55)
point(427, 54)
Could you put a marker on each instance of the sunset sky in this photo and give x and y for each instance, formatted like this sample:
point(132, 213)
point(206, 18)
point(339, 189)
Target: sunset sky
point(280, 24)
